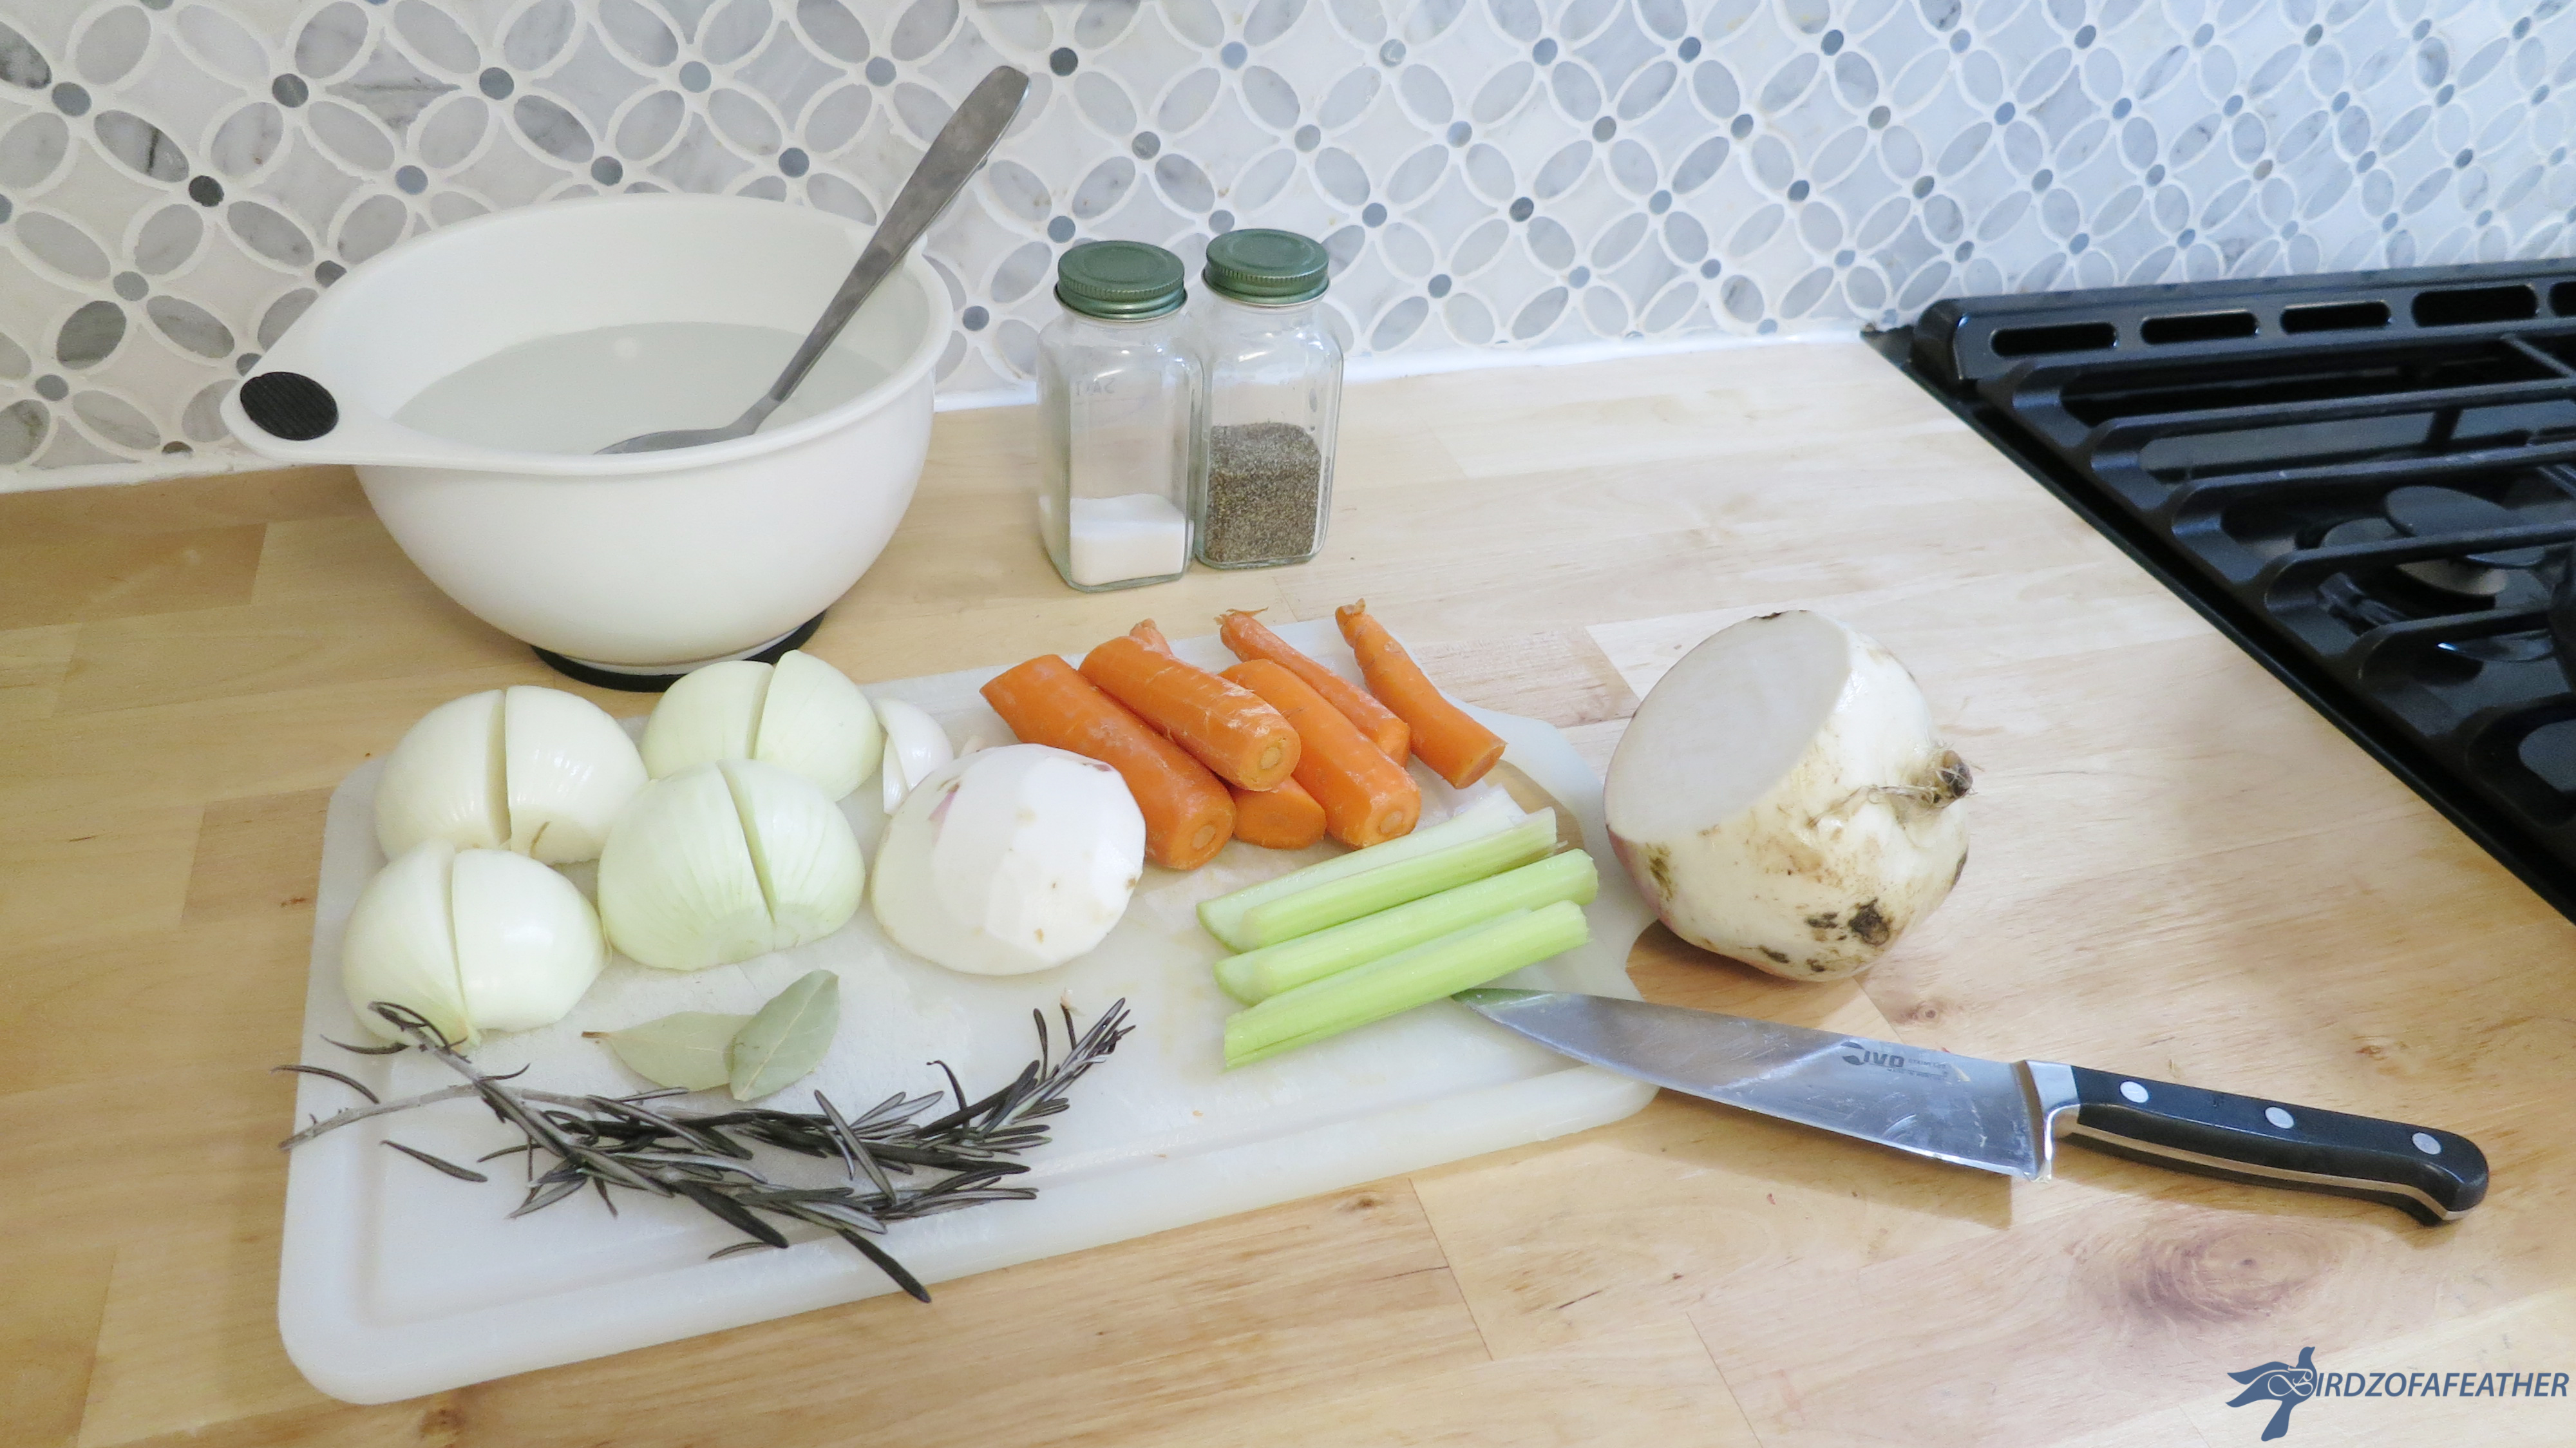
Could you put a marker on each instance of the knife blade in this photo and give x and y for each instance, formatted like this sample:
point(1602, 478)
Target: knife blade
point(1999, 1116)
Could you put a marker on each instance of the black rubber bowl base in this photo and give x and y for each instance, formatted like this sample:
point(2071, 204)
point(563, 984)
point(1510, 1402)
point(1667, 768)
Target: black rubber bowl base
point(580, 672)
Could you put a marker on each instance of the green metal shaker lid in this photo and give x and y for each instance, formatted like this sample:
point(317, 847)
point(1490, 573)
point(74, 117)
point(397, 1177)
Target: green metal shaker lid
point(1266, 268)
point(1120, 280)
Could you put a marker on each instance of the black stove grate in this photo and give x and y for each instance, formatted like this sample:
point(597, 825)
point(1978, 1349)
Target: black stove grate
point(2367, 480)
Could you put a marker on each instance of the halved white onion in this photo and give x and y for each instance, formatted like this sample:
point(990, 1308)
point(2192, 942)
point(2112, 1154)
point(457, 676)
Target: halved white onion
point(538, 771)
point(817, 723)
point(677, 887)
point(801, 714)
point(401, 947)
point(444, 780)
point(473, 940)
point(803, 849)
point(569, 769)
point(725, 862)
point(708, 715)
point(527, 944)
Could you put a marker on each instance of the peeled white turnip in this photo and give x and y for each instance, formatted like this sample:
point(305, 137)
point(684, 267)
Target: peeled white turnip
point(1009, 860)
point(1781, 798)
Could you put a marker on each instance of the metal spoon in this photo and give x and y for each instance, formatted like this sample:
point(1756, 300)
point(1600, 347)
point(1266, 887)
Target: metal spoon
point(961, 146)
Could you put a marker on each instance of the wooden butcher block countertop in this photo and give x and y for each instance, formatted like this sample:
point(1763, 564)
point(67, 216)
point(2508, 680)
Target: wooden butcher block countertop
point(2179, 870)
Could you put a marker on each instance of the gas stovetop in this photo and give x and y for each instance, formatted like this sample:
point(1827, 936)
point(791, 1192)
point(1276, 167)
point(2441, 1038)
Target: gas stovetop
point(2368, 480)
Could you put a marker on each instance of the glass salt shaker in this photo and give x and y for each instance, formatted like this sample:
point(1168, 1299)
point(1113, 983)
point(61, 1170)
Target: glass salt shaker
point(1118, 396)
point(1274, 401)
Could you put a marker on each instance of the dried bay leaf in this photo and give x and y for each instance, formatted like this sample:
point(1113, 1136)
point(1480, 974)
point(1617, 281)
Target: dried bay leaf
point(788, 1039)
point(687, 1049)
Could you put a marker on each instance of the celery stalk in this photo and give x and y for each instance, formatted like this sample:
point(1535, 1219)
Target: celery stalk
point(1457, 961)
point(1490, 815)
point(1257, 975)
point(1383, 888)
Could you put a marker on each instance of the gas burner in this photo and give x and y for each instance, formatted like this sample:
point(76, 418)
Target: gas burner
point(2418, 511)
point(2368, 598)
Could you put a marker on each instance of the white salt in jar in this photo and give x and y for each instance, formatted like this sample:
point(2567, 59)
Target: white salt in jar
point(1118, 394)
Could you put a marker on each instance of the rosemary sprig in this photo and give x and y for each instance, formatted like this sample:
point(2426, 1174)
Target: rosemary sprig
point(604, 1141)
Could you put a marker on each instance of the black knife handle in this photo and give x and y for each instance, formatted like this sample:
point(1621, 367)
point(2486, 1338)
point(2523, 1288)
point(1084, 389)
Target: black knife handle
point(2434, 1175)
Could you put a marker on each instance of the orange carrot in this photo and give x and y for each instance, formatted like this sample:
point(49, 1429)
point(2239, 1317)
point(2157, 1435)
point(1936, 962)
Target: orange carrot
point(1151, 637)
point(1251, 639)
point(1285, 818)
point(1225, 727)
point(1282, 817)
point(1188, 815)
point(1457, 748)
point(1367, 797)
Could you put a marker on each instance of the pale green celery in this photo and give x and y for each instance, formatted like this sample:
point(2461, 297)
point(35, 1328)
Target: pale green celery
point(1388, 886)
point(1457, 961)
point(1257, 975)
point(1490, 815)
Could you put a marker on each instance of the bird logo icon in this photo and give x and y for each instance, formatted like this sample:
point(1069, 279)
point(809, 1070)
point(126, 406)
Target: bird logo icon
point(2285, 1385)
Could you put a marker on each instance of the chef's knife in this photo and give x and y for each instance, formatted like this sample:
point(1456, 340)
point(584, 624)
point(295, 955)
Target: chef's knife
point(1997, 1115)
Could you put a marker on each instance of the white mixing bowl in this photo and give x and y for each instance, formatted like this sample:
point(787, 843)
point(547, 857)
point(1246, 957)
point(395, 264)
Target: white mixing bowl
point(651, 563)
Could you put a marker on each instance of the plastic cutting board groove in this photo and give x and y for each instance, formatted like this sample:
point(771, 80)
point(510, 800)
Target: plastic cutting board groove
point(397, 1281)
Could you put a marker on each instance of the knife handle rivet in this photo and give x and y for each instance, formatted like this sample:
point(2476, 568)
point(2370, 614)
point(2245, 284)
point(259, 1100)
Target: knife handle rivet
point(2279, 1118)
point(2427, 1143)
point(2133, 1090)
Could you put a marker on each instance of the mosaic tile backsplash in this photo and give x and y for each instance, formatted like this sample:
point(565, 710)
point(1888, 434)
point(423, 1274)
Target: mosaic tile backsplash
point(180, 178)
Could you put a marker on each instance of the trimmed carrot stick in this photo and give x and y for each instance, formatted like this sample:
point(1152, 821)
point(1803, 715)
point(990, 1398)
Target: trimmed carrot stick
point(1457, 748)
point(1252, 639)
point(1282, 818)
point(1188, 815)
point(1151, 637)
point(1224, 726)
point(1367, 797)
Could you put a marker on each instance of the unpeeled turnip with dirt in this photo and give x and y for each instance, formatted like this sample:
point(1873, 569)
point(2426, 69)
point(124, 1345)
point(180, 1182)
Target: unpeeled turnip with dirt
point(1781, 798)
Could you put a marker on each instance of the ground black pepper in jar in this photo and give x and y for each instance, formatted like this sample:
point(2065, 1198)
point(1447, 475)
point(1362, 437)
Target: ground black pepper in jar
point(1274, 393)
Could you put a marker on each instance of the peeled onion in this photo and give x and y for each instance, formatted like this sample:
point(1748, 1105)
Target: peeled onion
point(801, 714)
point(1011, 860)
point(1781, 798)
point(725, 862)
point(472, 940)
point(537, 771)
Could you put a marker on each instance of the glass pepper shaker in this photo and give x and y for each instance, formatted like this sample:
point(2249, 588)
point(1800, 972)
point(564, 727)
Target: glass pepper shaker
point(1118, 399)
point(1274, 400)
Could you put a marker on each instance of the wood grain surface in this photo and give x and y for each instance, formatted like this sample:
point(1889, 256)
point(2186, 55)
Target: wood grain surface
point(2179, 869)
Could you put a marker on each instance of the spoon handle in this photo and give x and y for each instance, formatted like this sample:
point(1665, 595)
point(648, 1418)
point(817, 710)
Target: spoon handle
point(960, 147)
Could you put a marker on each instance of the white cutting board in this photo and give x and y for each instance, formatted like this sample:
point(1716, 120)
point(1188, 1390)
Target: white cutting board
point(397, 1281)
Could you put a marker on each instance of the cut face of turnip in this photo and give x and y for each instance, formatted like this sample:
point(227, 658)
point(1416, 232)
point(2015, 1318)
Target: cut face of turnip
point(1781, 798)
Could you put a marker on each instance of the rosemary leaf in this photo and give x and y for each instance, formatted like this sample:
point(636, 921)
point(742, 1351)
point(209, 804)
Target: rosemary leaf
point(461, 1173)
point(727, 1210)
point(352, 1082)
point(395, 1049)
